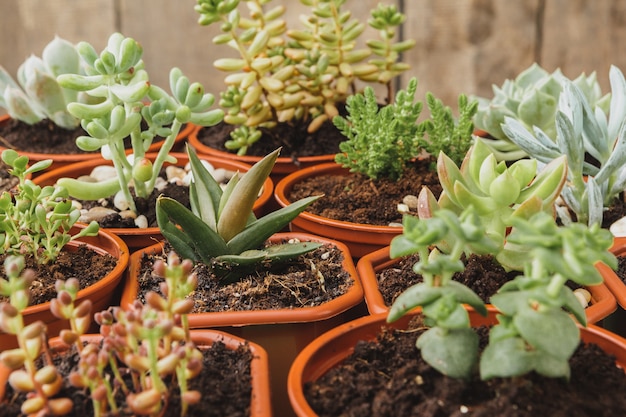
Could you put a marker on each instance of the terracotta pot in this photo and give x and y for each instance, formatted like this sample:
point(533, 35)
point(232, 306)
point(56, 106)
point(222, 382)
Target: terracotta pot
point(615, 283)
point(331, 348)
point(60, 160)
point(360, 238)
point(101, 293)
point(137, 238)
point(260, 405)
point(602, 301)
point(283, 333)
point(284, 165)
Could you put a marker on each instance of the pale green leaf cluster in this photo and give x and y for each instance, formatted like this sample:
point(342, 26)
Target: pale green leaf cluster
point(582, 132)
point(126, 98)
point(37, 95)
point(221, 230)
point(534, 330)
point(531, 99)
point(36, 220)
point(496, 192)
point(379, 141)
point(285, 74)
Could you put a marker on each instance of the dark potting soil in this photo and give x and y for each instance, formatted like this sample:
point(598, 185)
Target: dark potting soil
point(358, 199)
point(387, 377)
point(308, 280)
point(294, 140)
point(483, 274)
point(84, 264)
point(225, 385)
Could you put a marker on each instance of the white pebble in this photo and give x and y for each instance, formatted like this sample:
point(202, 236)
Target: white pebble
point(175, 174)
point(96, 213)
point(103, 172)
point(411, 201)
point(160, 184)
point(128, 214)
point(120, 202)
point(403, 208)
point(141, 222)
point(619, 228)
point(394, 224)
point(583, 296)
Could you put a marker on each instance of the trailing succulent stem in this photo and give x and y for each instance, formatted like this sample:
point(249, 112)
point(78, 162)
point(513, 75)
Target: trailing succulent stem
point(221, 230)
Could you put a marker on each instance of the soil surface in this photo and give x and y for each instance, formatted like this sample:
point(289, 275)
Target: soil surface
point(225, 384)
point(84, 264)
point(295, 283)
point(387, 377)
point(294, 139)
point(358, 199)
point(483, 274)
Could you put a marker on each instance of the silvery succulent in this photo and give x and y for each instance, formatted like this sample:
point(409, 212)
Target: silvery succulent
point(36, 95)
point(531, 99)
point(583, 132)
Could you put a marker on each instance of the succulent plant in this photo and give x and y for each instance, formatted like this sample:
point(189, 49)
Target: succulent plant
point(582, 132)
point(36, 95)
point(498, 193)
point(127, 98)
point(535, 331)
point(221, 230)
point(285, 75)
point(36, 220)
point(531, 99)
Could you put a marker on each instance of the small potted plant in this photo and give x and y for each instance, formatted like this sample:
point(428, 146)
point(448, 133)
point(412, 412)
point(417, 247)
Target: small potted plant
point(41, 224)
point(145, 359)
point(379, 168)
point(532, 332)
point(278, 289)
point(288, 83)
point(499, 194)
point(129, 106)
point(532, 99)
point(38, 123)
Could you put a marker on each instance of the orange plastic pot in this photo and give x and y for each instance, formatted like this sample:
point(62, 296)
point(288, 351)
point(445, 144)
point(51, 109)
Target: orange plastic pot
point(260, 405)
point(137, 238)
point(60, 160)
point(601, 306)
point(360, 238)
point(284, 332)
point(328, 350)
point(101, 293)
point(615, 283)
point(284, 165)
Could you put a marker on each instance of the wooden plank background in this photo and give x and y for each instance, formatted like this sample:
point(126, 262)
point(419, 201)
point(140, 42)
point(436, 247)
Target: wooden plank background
point(462, 45)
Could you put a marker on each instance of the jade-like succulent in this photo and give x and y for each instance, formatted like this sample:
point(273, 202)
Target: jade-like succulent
point(284, 75)
point(36, 95)
point(221, 230)
point(498, 193)
point(531, 99)
point(36, 220)
point(582, 132)
point(535, 331)
point(127, 98)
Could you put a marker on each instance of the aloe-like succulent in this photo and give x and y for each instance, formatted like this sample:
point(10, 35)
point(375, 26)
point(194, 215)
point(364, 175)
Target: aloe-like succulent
point(582, 131)
point(37, 95)
point(532, 99)
point(118, 79)
point(221, 230)
point(498, 193)
point(297, 74)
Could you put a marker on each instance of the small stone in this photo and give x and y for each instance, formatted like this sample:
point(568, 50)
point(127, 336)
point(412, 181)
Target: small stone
point(219, 175)
point(103, 173)
point(175, 174)
point(395, 224)
point(403, 208)
point(160, 184)
point(411, 201)
point(128, 214)
point(581, 295)
point(96, 213)
point(619, 228)
point(120, 202)
point(141, 222)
